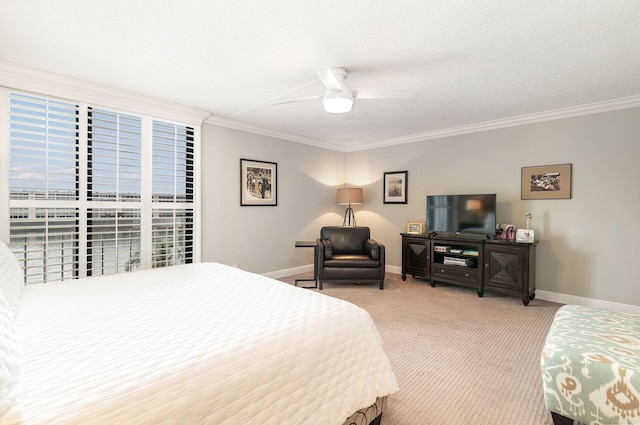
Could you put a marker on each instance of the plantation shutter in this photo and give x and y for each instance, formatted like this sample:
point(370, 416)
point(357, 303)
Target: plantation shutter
point(115, 156)
point(114, 176)
point(43, 186)
point(173, 168)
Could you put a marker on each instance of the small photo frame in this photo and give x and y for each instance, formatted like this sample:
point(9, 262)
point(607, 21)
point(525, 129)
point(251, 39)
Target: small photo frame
point(395, 187)
point(525, 235)
point(546, 182)
point(415, 227)
point(258, 183)
point(505, 232)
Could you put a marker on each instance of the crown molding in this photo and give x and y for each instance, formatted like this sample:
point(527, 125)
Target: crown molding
point(557, 114)
point(249, 128)
point(32, 80)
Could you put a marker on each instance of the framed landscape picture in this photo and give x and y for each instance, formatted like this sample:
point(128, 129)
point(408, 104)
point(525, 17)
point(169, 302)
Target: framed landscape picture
point(258, 183)
point(546, 182)
point(395, 187)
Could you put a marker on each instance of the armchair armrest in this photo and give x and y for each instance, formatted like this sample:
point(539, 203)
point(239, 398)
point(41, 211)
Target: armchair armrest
point(373, 248)
point(325, 248)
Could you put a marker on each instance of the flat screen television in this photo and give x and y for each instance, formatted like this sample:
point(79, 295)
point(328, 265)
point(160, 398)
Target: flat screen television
point(462, 214)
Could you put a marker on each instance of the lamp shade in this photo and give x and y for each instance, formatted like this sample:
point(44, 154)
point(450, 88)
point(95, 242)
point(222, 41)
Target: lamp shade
point(349, 195)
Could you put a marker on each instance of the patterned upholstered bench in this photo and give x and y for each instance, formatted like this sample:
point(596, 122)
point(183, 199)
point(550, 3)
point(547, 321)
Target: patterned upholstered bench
point(591, 367)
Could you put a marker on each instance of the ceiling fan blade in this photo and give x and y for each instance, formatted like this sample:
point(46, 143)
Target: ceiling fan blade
point(328, 77)
point(381, 93)
point(298, 99)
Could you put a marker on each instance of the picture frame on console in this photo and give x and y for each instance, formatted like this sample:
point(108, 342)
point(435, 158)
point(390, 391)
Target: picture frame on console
point(525, 235)
point(506, 232)
point(546, 182)
point(258, 183)
point(395, 187)
point(415, 227)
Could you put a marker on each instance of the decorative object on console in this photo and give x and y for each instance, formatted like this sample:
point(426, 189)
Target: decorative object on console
point(258, 183)
point(348, 196)
point(525, 235)
point(395, 187)
point(505, 232)
point(546, 182)
point(415, 227)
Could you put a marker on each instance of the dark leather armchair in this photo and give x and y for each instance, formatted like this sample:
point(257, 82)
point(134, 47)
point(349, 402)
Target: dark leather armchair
point(349, 254)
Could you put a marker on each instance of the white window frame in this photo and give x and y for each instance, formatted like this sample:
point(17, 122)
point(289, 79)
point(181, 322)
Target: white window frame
point(39, 83)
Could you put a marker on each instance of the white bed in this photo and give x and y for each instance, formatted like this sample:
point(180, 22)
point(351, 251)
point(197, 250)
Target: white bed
point(200, 343)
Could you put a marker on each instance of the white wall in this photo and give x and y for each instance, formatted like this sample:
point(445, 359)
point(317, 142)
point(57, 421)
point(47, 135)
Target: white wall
point(587, 243)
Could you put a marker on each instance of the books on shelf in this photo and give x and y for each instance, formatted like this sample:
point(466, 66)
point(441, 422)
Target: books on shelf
point(472, 252)
point(455, 261)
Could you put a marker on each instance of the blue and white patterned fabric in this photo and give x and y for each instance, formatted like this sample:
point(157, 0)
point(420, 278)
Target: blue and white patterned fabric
point(591, 366)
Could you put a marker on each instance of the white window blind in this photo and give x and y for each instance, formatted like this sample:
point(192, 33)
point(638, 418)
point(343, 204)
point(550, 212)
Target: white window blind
point(115, 156)
point(45, 241)
point(79, 204)
point(44, 148)
point(172, 237)
point(172, 163)
point(43, 187)
point(114, 241)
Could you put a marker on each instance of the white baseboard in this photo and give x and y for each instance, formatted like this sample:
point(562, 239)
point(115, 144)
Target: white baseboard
point(588, 302)
point(278, 274)
point(542, 295)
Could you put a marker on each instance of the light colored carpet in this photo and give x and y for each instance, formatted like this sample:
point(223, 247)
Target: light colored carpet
point(459, 358)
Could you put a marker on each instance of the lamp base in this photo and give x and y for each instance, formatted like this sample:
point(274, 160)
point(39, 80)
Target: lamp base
point(348, 217)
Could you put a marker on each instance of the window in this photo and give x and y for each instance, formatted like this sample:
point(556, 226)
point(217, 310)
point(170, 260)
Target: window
point(78, 201)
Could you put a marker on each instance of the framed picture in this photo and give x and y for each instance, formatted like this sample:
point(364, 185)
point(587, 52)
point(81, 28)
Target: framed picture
point(415, 227)
point(525, 235)
point(506, 232)
point(258, 183)
point(546, 182)
point(395, 187)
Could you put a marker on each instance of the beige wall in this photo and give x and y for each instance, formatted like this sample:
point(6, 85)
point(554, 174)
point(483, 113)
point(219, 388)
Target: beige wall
point(587, 243)
point(260, 238)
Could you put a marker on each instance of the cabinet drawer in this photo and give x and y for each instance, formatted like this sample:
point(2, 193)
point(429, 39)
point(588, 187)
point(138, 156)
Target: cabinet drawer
point(465, 274)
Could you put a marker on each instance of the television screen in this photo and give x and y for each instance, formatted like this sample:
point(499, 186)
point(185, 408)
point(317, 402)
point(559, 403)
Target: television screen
point(462, 214)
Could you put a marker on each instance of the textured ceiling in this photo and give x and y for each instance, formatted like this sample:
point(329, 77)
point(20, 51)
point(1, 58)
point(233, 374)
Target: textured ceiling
point(467, 62)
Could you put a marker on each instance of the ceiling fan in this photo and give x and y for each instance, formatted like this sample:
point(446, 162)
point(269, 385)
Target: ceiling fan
point(338, 98)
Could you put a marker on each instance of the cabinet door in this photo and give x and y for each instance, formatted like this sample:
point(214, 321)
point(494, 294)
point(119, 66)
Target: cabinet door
point(504, 268)
point(416, 256)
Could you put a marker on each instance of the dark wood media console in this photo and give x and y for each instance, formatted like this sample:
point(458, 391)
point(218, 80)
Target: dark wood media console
point(496, 265)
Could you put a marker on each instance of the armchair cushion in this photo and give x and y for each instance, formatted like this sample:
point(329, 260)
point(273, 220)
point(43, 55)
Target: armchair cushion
point(344, 240)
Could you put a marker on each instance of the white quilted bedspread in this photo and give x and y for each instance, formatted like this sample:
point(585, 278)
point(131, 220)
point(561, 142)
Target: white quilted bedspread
point(202, 343)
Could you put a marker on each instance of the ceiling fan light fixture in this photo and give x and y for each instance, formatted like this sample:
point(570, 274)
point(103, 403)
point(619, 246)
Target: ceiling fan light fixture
point(337, 102)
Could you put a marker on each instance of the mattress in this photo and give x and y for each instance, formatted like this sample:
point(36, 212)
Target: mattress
point(200, 343)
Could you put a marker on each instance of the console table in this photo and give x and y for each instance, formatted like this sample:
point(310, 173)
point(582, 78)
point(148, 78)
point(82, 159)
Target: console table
point(482, 264)
point(314, 245)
